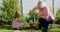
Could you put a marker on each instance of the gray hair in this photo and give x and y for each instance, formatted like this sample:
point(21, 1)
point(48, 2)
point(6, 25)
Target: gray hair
point(42, 3)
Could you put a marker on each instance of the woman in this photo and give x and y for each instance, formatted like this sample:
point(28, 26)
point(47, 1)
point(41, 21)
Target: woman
point(17, 23)
point(46, 17)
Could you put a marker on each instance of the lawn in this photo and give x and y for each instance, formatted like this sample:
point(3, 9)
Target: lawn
point(55, 28)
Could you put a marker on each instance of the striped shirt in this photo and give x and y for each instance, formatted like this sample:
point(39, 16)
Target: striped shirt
point(44, 13)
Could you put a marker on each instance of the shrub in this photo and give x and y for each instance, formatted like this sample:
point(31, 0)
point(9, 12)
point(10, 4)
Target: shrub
point(58, 17)
point(9, 8)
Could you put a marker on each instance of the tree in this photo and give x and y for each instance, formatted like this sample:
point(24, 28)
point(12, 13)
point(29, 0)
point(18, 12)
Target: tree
point(9, 8)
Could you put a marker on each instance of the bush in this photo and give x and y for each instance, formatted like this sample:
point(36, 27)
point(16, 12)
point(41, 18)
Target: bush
point(9, 8)
point(58, 17)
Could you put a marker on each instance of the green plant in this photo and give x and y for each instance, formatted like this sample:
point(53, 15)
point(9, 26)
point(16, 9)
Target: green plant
point(9, 8)
point(58, 17)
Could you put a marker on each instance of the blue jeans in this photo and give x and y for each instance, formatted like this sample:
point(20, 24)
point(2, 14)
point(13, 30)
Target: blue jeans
point(31, 17)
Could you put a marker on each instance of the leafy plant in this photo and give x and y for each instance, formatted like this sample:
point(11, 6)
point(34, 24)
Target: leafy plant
point(58, 17)
point(9, 8)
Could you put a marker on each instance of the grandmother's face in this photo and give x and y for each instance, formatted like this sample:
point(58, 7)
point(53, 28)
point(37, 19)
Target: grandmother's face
point(40, 5)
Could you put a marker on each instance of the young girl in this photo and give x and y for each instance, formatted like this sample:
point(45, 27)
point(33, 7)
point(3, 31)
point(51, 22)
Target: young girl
point(17, 23)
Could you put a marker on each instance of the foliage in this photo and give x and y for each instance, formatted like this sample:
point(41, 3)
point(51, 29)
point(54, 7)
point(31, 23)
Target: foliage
point(35, 14)
point(9, 29)
point(8, 10)
point(58, 17)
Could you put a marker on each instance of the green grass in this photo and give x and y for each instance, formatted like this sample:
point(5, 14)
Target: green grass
point(56, 28)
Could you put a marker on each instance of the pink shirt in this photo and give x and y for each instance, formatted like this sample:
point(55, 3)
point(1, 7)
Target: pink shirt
point(44, 13)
